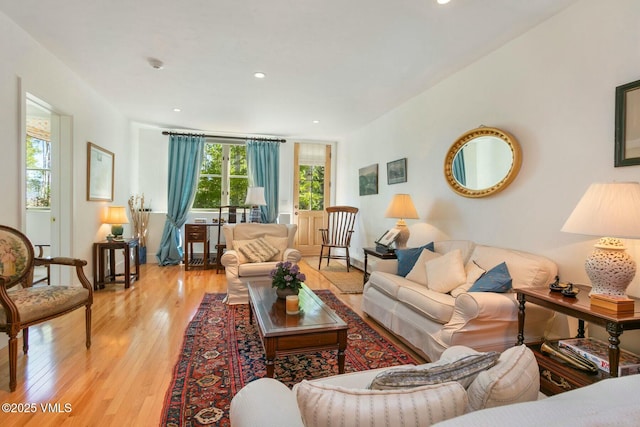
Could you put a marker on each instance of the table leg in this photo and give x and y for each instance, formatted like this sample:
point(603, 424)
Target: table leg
point(112, 265)
point(137, 261)
point(101, 267)
point(270, 355)
point(365, 277)
point(127, 267)
point(94, 258)
point(342, 346)
point(580, 329)
point(615, 331)
point(521, 302)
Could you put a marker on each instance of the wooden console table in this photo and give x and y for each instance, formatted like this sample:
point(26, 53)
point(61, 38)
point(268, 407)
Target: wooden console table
point(580, 308)
point(100, 249)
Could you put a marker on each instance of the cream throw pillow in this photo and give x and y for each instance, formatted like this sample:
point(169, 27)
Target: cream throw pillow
point(324, 405)
point(474, 272)
point(235, 245)
point(515, 378)
point(280, 243)
point(418, 273)
point(258, 250)
point(446, 272)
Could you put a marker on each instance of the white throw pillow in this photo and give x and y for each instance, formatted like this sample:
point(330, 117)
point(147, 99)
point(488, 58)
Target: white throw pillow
point(446, 272)
point(258, 250)
point(418, 273)
point(515, 378)
point(474, 272)
point(324, 405)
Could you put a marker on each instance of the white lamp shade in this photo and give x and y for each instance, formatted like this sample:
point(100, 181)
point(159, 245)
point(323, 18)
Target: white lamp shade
point(607, 209)
point(255, 197)
point(116, 215)
point(401, 206)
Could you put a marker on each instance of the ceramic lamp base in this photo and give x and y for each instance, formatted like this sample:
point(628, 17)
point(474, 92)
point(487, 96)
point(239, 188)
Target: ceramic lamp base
point(610, 268)
point(403, 236)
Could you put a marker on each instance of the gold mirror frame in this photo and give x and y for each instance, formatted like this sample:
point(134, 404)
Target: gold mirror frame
point(468, 137)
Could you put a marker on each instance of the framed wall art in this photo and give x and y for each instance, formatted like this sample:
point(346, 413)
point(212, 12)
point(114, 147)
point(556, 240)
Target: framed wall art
point(627, 127)
point(368, 180)
point(397, 171)
point(100, 167)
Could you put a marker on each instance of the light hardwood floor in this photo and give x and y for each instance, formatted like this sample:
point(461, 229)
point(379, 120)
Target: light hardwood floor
point(137, 335)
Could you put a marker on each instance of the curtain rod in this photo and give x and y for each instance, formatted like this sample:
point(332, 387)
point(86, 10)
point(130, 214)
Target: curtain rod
point(240, 138)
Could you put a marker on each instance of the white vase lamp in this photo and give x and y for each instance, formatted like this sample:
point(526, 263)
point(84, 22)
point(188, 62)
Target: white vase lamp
point(608, 209)
point(255, 199)
point(402, 207)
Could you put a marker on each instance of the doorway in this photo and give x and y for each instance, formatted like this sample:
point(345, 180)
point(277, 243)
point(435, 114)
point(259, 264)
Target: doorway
point(311, 190)
point(47, 141)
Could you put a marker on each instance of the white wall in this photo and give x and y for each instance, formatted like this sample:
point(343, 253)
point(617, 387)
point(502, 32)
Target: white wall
point(553, 89)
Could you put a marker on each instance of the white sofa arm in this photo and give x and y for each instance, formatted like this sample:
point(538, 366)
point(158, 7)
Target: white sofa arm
point(292, 255)
point(385, 266)
point(230, 259)
point(265, 403)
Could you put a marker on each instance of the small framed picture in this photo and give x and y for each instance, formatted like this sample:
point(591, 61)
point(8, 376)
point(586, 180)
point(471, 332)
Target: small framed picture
point(397, 171)
point(388, 237)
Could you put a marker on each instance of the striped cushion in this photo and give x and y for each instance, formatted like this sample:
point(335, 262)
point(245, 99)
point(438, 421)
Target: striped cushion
point(258, 250)
point(324, 405)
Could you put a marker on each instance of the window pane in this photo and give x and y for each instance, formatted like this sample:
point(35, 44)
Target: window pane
point(212, 161)
point(238, 160)
point(238, 190)
point(38, 189)
point(209, 193)
point(311, 183)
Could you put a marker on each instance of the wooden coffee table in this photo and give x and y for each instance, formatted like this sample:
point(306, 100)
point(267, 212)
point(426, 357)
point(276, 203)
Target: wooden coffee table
point(317, 327)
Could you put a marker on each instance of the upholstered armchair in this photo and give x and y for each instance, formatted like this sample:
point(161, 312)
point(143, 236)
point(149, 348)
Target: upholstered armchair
point(23, 305)
point(253, 250)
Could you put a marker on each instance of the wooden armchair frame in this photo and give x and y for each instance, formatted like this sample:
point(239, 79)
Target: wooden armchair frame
point(16, 268)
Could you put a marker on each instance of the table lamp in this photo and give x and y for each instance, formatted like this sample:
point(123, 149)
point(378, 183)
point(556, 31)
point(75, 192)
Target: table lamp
point(613, 210)
point(402, 207)
point(116, 216)
point(255, 198)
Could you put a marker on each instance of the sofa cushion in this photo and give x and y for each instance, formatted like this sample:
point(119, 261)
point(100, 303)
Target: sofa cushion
point(497, 279)
point(473, 271)
point(280, 243)
point(465, 368)
point(446, 272)
point(408, 257)
point(323, 405)
point(258, 250)
point(515, 378)
point(418, 273)
point(388, 283)
point(431, 304)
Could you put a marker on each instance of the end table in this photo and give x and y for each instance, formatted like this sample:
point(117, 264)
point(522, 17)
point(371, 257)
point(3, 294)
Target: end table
point(378, 254)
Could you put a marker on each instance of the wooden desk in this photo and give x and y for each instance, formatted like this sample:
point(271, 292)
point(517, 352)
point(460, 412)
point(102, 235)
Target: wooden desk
point(580, 308)
point(374, 252)
point(126, 245)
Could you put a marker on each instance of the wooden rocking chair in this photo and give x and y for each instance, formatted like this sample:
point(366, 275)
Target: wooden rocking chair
point(341, 220)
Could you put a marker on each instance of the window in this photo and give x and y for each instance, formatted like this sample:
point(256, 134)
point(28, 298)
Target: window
point(311, 197)
point(38, 173)
point(223, 176)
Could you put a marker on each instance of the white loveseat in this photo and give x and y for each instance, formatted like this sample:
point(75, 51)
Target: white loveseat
point(432, 320)
point(240, 270)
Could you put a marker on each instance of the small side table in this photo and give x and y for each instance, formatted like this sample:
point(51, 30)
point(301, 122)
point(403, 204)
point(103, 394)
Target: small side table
point(126, 245)
point(374, 252)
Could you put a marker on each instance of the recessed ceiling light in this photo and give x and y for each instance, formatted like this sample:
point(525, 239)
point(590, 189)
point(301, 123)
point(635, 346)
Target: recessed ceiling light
point(177, 110)
point(443, 1)
point(156, 63)
point(259, 75)
point(316, 121)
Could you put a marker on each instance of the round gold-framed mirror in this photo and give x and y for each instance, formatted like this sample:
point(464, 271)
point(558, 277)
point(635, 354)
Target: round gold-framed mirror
point(482, 162)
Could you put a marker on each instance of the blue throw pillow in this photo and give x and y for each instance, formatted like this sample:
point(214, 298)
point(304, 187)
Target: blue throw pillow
point(407, 258)
point(497, 279)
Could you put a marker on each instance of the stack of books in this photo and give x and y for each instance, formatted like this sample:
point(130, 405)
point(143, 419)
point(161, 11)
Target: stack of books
point(619, 305)
point(598, 351)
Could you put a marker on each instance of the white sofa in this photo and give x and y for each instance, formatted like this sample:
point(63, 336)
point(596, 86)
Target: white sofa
point(240, 270)
point(431, 321)
point(503, 395)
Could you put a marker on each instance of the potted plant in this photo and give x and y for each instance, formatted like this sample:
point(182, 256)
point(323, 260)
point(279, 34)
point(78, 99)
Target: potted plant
point(287, 279)
point(140, 224)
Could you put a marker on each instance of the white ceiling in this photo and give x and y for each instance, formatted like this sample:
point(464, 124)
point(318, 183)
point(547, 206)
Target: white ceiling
point(342, 62)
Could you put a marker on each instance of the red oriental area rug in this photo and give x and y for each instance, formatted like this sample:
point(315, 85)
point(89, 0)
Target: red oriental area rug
point(222, 352)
